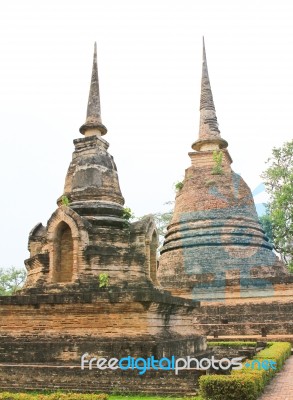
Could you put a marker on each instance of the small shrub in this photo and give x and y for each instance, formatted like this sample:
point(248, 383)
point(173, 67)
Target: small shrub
point(178, 186)
point(65, 201)
point(278, 352)
point(246, 383)
point(127, 214)
point(260, 376)
point(77, 396)
point(103, 280)
point(218, 159)
point(232, 344)
point(228, 387)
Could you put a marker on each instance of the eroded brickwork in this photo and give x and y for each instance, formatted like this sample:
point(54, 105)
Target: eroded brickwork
point(272, 317)
point(72, 378)
point(214, 250)
point(215, 247)
point(215, 242)
point(64, 310)
point(90, 236)
point(43, 337)
point(99, 313)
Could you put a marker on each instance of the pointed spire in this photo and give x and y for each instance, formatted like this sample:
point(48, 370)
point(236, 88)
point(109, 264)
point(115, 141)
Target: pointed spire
point(206, 96)
point(93, 124)
point(209, 132)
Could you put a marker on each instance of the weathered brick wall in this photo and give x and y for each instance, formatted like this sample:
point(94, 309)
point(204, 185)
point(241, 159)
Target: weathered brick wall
point(98, 238)
point(66, 324)
point(245, 318)
point(215, 247)
point(126, 252)
point(20, 377)
point(110, 314)
point(92, 174)
point(49, 333)
point(68, 349)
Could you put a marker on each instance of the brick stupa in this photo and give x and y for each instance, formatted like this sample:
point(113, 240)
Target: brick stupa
point(89, 235)
point(62, 312)
point(215, 247)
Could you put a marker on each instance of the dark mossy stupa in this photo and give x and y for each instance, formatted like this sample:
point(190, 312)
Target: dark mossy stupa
point(90, 234)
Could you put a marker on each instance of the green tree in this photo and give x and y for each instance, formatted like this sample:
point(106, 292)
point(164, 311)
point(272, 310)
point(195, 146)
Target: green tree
point(266, 223)
point(11, 280)
point(162, 220)
point(278, 179)
point(127, 214)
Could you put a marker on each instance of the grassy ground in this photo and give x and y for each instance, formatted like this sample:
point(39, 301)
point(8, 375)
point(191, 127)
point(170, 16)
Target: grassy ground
point(115, 397)
point(137, 397)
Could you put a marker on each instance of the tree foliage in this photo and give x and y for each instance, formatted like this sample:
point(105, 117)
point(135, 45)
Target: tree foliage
point(11, 280)
point(127, 214)
point(162, 220)
point(278, 178)
point(266, 223)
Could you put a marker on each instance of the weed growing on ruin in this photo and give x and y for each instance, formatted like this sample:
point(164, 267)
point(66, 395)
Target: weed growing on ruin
point(65, 201)
point(127, 213)
point(218, 159)
point(178, 186)
point(103, 280)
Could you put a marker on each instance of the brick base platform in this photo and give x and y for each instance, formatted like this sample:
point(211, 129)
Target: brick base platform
point(20, 377)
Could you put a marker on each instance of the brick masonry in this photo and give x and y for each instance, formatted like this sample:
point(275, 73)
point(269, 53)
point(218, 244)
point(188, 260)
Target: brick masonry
point(215, 243)
point(20, 377)
point(48, 333)
point(215, 251)
point(62, 311)
point(246, 318)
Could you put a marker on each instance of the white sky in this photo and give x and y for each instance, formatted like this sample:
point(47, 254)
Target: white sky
point(149, 55)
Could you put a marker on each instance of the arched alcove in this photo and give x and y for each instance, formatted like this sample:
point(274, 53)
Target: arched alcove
point(63, 253)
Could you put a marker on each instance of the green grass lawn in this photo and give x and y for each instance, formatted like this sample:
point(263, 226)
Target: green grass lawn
point(138, 397)
point(36, 395)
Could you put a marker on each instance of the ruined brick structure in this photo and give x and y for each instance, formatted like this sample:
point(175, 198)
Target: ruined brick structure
point(215, 235)
point(61, 312)
point(90, 236)
point(215, 249)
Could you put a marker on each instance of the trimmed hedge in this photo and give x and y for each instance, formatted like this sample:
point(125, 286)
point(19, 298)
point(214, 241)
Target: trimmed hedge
point(228, 387)
point(232, 344)
point(247, 383)
point(52, 396)
point(277, 351)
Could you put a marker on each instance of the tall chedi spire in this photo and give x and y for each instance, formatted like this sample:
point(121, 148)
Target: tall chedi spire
point(92, 183)
point(93, 124)
point(209, 133)
point(215, 248)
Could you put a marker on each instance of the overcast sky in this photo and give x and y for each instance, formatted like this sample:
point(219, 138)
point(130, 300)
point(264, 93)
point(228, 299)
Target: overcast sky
point(150, 57)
